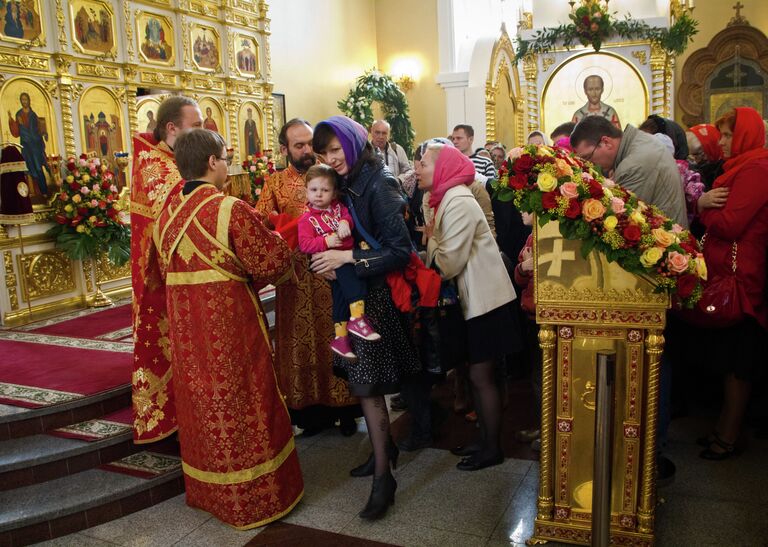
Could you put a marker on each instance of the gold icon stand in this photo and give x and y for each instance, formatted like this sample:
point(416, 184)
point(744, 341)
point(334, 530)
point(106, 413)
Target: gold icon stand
point(584, 307)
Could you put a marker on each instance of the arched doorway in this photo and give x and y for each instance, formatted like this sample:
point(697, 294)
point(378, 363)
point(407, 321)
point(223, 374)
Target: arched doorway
point(504, 103)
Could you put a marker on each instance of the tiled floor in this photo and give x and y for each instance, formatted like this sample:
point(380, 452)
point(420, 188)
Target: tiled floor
point(710, 503)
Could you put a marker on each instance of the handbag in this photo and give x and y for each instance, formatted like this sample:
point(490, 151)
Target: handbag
point(441, 332)
point(719, 305)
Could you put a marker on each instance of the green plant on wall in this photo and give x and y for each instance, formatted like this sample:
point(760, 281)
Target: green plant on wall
point(375, 86)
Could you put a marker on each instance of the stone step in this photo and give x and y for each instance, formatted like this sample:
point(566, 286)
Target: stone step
point(18, 422)
point(68, 504)
point(39, 458)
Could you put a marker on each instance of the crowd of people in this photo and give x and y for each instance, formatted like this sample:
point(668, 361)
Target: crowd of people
point(363, 245)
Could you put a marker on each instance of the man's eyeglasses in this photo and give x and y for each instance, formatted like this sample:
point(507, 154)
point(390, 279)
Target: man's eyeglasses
point(588, 157)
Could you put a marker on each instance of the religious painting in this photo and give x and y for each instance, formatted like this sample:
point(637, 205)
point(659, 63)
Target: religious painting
point(102, 124)
point(93, 26)
point(20, 20)
point(29, 121)
point(146, 113)
point(155, 36)
point(611, 81)
point(213, 116)
point(247, 56)
point(251, 126)
point(206, 47)
point(720, 103)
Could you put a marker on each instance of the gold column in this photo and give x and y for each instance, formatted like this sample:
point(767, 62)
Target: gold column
point(645, 512)
point(133, 121)
point(490, 111)
point(659, 84)
point(547, 340)
point(531, 71)
point(233, 106)
point(67, 102)
point(10, 280)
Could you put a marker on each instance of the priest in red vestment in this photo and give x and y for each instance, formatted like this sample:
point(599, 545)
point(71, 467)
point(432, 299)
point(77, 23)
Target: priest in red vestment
point(155, 180)
point(238, 455)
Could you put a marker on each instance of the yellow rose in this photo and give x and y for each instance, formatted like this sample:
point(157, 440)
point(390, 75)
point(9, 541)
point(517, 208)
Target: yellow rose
point(651, 256)
point(545, 151)
point(637, 217)
point(103, 168)
point(80, 228)
point(592, 209)
point(93, 219)
point(70, 179)
point(663, 237)
point(546, 182)
point(86, 178)
point(76, 198)
point(68, 208)
point(701, 267)
point(610, 223)
point(249, 158)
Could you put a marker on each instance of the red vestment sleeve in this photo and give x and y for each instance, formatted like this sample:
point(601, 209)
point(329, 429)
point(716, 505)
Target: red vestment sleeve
point(263, 253)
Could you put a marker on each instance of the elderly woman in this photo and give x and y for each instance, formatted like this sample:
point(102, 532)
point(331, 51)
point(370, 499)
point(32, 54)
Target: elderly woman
point(462, 248)
point(741, 225)
point(382, 245)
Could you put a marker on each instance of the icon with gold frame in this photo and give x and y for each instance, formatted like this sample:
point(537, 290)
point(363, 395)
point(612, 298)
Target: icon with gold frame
point(206, 47)
point(247, 56)
point(213, 115)
point(251, 127)
point(21, 21)
point(93, 27)
point(101, 116)
point(29, 121)
point(155, 33)
point(146, 113)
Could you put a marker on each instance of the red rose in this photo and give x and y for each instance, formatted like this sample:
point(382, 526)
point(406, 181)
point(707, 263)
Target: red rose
point(549, 200)
point(585, 19)
point(503, 170)
point(75, 186)
point(104, 185)
point(686, 284)
point(61, 219)
point(76, 220)
point(71, 166)
point(82, 211)
point(689, 247)
point(102, 204)
point(111, 213)
point(574, 209)
point(101, 223)
point(596, 189)
point(518, 181)
point(523, 164)
point(83, 156)
point(632, 234)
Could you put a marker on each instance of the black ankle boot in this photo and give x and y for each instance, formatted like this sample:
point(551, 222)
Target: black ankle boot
point(382, 496)
point(366, 469)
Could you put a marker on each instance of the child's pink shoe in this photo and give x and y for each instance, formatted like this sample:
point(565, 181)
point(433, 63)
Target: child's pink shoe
point(343, 348)
point(361, 328)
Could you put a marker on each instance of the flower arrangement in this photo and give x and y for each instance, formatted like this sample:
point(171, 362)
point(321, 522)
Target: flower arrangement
point(89, 218)
point(555, 185)
point(258, 167)
point(592, 22)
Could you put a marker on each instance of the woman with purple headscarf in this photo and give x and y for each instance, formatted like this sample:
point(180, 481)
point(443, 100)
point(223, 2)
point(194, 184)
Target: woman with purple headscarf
point(382, 245)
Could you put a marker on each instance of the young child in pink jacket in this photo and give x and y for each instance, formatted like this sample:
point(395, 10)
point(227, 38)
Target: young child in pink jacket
point(327, 224)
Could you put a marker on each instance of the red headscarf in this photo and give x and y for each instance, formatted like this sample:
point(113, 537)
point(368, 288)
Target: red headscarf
point(746, 146)
point(709, 138)
point(452, 168)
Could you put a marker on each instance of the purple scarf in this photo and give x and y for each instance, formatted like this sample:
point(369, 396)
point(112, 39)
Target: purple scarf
point(352, 137)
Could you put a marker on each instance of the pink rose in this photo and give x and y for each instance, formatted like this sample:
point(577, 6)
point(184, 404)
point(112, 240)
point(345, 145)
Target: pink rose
point(608, 183)
point(94, 203)
point(257, 191)
point(82, 162)
point(586, 177)
point(113, 188)
point(95, 187)
point(617, 205)
point(570, 190)
point(85, 190)
point(252, 169)
point(677, 229)
point(678, 262)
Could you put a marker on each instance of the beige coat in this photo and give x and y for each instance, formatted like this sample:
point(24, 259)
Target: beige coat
point(482, 197)
point(462, 247)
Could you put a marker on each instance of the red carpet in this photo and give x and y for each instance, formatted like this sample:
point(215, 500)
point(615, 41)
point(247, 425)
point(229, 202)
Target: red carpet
point(91, 326)
point(34, 375)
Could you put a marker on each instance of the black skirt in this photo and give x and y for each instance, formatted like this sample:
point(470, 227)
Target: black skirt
point(382, 365)
point(493, 334)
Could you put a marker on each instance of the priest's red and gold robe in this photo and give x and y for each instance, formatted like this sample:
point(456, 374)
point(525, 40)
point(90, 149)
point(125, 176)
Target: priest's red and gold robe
point(155, 180)
point(238, 455)
point(303, 324)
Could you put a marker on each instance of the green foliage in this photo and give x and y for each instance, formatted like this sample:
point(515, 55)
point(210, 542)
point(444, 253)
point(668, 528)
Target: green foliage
point(375, 86)
point(114, 240)
point(673, 40)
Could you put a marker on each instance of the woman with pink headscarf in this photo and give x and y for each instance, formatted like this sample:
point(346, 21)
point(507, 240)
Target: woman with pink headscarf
point(462, 248)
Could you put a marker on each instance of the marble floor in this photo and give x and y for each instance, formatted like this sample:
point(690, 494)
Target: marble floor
point(709, 503)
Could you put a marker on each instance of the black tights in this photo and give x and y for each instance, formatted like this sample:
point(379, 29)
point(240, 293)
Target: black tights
point(488, 406)
point(377, 421)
